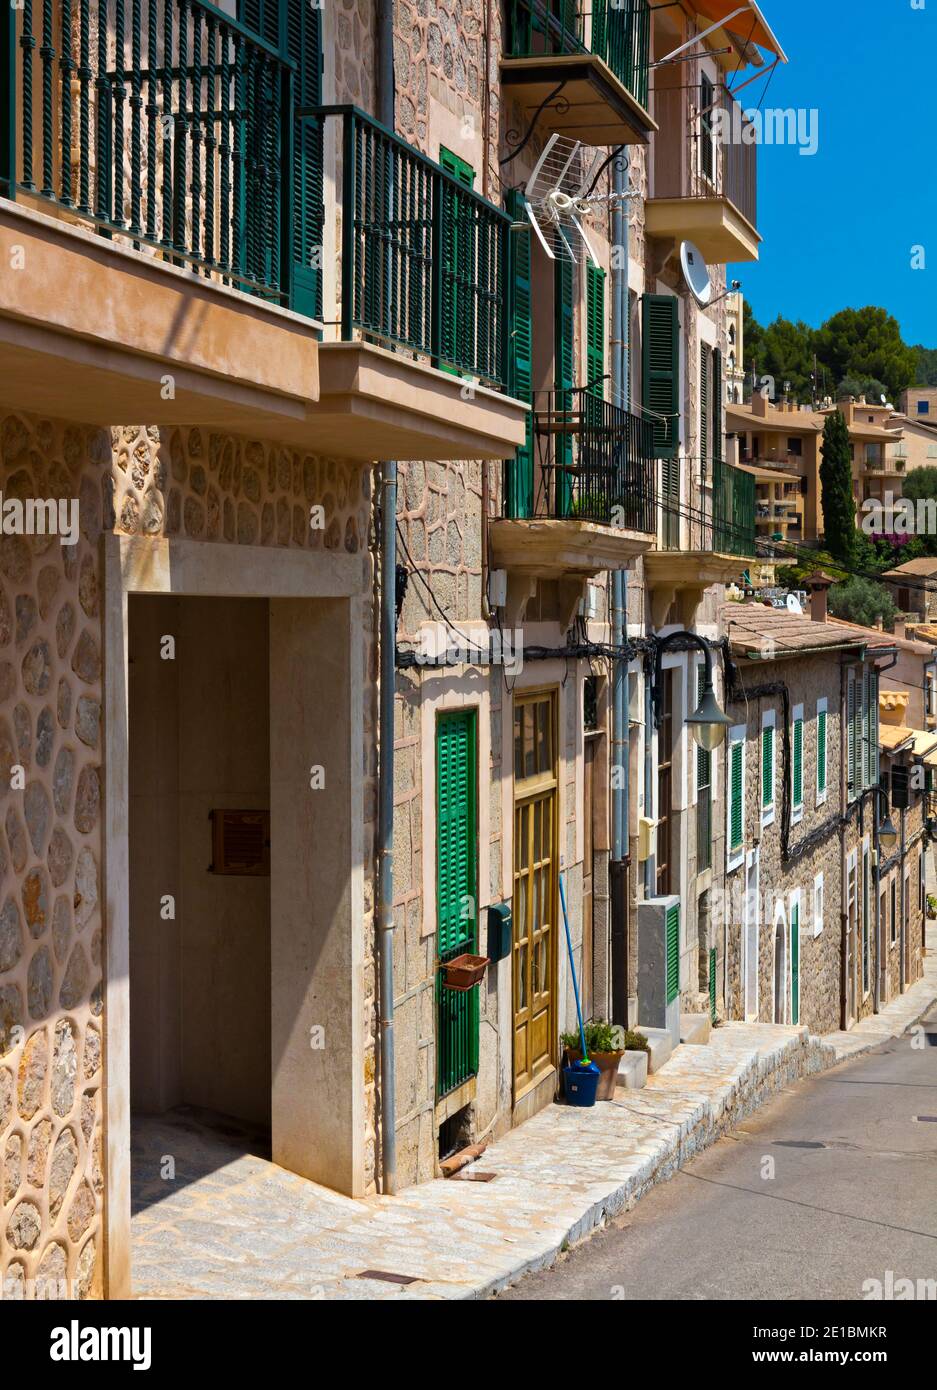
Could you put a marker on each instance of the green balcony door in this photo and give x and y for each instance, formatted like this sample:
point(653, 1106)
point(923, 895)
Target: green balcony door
point(563, 375)
point(456, 893)
point(795, 962)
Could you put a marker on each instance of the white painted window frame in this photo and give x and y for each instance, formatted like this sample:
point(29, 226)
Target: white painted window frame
point(818, 903)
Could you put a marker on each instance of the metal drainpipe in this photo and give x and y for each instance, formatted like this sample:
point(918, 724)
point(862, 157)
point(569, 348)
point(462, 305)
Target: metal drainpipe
point(621, 748)
point(388, 646)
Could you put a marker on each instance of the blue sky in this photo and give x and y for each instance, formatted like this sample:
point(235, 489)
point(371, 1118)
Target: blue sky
point(839, 226)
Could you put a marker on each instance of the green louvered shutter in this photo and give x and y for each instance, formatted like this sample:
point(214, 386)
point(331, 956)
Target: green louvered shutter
point(704, 783)
point(735, 795)
point(595, 328)
point(672, 927)
point(458, 326)
point(767, 765)
point(705, 406)
point(873, 729)
point(520, 470)
point(717, 388)
point(661, 369)
point(712, 984)
point(798, 758)
point(563, 375)
point(304, 47)
point(821, 751)
point(262, 17)
point(795, 962)
point(851, 721)
point(456, 893)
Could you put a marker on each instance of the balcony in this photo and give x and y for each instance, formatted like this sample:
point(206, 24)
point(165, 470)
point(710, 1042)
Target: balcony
point(580, 502)
point(166, 174)
point(584, 75)
point(704, 175)
point(708, 542)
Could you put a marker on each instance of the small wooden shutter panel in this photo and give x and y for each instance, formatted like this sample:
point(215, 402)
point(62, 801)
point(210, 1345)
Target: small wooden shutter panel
point(767, 765)
point(798, 757)
point(735, 792)
point(673, 952)
point(661, 369)
point(520, 473)
point(595, 328)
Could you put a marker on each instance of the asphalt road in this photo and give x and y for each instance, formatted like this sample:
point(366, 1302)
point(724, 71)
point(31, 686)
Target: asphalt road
point(860, 1201)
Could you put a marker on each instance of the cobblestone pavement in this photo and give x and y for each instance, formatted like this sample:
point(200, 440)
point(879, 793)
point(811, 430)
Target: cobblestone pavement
point(231, 1224)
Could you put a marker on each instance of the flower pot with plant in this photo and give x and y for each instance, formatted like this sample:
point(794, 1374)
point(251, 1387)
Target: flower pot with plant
point(931, 906)
point(606, 1044)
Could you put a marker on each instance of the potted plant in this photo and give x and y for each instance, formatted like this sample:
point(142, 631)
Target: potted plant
point(464, 972)
point(931, 906)
point(607, 1043)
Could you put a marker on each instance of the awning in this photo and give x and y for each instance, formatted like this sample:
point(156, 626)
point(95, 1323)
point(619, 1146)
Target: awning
point(744, 20)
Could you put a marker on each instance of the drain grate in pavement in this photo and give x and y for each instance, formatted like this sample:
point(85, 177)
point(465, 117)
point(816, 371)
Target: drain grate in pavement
point(387, 1277)
point(799, 1144)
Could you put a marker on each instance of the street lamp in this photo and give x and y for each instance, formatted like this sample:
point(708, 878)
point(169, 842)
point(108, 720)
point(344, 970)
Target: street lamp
point(887, 834)
point(708, 722)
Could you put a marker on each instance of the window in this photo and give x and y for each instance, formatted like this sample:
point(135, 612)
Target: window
point(795, 446)
point(893, 937)
point(818, 904)
point(822, 790)
point(704, 792)
point(923, 407)
point(458, 319)
point(921, 882)
point(794, 915)
point(797, 764)
point(595, 329)
point(665, 739)
point(707, 146)
point(735, 798)
point(519, 473)
point(862, 754)
point(660, 338)
point(866, 934)
point(768, 722)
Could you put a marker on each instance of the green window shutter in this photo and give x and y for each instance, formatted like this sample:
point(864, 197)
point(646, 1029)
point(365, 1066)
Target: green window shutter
point(705, 407)
point(457, 322)
point(735, 795)
point(262, 17)
point(795, 962)
point(852, 788)
point(821, 751)
point(767, 765)
point(707, 147)
point(661, 370)
point(595, 328)
point(798, 760)
point(717, 389)
point(703, 756)
point(456, 892)
point(304, 47)
point(673, 952)
point(563, 370)
point(872, 727)
point(712, 984)
point(520, 471)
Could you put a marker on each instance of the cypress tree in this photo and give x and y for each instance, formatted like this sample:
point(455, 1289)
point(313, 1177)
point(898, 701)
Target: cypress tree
point(839, 508)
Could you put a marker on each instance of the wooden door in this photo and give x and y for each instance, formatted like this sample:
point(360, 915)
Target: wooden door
point(535, 906)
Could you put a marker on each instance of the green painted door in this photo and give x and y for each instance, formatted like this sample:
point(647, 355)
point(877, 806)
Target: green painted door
point(456, 893)
point(563, 376)
point(519, 473)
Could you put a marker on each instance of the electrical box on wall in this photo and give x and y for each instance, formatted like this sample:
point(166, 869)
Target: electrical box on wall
point(500, 928)
point(647, 837)
point(497, 588)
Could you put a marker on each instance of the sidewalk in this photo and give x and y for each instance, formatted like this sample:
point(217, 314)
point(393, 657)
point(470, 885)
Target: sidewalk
point(251, 1230)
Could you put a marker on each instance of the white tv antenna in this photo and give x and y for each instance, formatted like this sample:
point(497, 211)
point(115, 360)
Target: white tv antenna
point(696, 274)
point(559, 197)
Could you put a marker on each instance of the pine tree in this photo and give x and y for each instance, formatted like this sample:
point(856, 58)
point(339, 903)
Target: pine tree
point(839, 509)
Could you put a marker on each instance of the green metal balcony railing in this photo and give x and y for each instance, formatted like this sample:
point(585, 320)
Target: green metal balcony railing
point(721, 518)
point(424, 258)
point(160, 120)
point(619, 34)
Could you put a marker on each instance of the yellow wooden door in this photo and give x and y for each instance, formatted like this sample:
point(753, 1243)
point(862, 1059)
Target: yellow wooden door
point(535, 888)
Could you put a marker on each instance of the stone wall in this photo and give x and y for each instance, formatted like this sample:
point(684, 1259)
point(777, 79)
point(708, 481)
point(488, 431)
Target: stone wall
point(51, 995)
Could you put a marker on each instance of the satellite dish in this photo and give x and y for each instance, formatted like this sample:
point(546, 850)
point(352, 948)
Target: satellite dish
point(559, 197)
point(695, 273)
point(884, 400)
point(793, 605)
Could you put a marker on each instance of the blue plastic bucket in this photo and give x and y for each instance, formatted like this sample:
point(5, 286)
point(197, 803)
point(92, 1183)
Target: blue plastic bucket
point(581, 1081)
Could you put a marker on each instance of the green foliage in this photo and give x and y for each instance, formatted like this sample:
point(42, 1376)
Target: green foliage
point(859, 348)
point(861, 386)
point(839, 508)
point(862, 601)
point(920, 482)
point(605, 1037)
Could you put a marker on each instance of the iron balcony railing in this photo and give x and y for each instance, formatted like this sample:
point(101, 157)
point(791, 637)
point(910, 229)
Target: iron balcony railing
point(161, 120)
point(593, 461)
point(720, 517)
point(700, 149)
point(424, 259)
point(619, 34)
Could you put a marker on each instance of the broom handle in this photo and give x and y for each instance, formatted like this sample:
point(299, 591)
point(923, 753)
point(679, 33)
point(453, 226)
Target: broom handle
point(572, 967)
